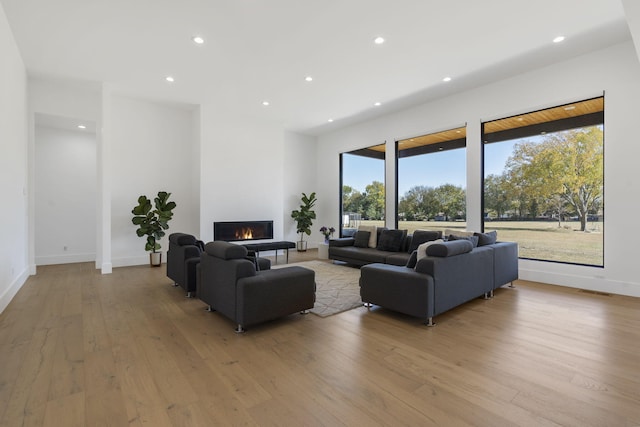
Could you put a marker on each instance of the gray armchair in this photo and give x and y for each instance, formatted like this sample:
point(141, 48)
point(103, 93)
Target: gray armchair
point(183, 257)
point(230, 284)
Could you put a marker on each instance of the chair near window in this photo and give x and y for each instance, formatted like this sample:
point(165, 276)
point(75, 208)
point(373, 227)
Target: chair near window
point(183, 258)
point(230, 284)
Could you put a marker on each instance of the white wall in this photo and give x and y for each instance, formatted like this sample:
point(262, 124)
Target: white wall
point(302, 169)
point(242, 171)
point(614, 70)
point(65, 196)
point(151, 150)
point(14, 268)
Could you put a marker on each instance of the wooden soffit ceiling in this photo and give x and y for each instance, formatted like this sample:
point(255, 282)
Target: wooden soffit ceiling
point(567, 111)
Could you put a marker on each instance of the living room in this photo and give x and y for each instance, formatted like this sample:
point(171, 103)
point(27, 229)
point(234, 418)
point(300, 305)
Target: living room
point(222, 164)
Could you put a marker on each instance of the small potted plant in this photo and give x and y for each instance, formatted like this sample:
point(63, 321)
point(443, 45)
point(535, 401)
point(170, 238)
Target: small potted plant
point(304, 219)
point(327, 232)
point(153, 222)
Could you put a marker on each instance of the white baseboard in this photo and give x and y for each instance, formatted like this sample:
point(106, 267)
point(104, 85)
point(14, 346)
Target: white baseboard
point(13, 289)
point(131, 261)
point(65, 259)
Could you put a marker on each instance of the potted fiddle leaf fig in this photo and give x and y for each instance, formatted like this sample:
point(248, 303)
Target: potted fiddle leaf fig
point(152, 222)
point(304, 219)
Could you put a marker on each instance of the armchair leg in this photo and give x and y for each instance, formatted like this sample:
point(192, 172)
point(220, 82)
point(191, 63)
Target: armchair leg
point(304, 312)
point(368, 305)
point(189, 294)
point(430, 322)
point(175, 284)
point(209, 309)
point(486, 295)
point(239, 329)
point(491, 294)
point(511, 285)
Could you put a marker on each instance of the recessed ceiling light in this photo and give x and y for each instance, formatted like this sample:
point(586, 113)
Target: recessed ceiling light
point(170, 79)
point(197, 40)
point(265, 103)
point(558, 39)
point(570, 107)
point(520, 119)
point(458, 131)
point(377, 104)
point(308, 78)
point(330, 120)
point(378, 40)
point(543, 133)
point(82, 127)
point(446, 79)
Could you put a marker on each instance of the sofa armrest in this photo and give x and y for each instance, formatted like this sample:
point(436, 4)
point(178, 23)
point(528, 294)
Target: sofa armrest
point(459, 278)
point(342, 241)
point(505, 263)
point(398, 288)
point(274, 293)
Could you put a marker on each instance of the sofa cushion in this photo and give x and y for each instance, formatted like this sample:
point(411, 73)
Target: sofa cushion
point(391, 240)
point(450, 248)
point(472, 239)
point(486, 238)
point(366, 255)
point(453, 232)
point(225, 250)
point(373, 237)
point(362, 239)
point(422, 236)
point(397, 258)
point(413, 260)
point(421, 252)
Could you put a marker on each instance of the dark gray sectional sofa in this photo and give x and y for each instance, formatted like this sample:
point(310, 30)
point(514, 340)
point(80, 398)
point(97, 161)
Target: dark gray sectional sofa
point(451, 274)
point(345, 249)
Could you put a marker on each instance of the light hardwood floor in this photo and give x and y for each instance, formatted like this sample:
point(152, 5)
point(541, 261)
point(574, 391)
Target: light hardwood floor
point(82, 349)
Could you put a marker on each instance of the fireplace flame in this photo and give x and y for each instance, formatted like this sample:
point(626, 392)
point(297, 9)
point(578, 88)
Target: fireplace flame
point(244, 234)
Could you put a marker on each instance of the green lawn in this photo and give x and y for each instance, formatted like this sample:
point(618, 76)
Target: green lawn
point(536, 239)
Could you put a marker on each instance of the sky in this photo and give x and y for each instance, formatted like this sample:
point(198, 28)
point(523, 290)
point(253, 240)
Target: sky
point(433, 170)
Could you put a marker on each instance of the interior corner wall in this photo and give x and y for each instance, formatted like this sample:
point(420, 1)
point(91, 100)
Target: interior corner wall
point(65, 196)
point(151, 150)
point(14, 268)
point(303, 169)
point(242, 171)
point(614, 70)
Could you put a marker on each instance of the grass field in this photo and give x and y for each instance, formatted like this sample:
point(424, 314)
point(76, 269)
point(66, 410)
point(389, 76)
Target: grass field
point(536, 239)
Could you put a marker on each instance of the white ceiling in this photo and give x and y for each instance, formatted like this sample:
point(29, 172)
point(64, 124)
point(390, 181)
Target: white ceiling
point(259, 50)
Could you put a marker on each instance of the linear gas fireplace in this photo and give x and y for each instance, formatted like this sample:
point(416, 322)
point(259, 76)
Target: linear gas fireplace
point(235, 231)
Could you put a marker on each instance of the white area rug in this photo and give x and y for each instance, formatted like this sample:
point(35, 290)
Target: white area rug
point(337, 287)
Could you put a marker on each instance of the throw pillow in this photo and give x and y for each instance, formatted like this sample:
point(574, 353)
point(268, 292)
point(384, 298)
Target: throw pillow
point(362, 239)
point(487, 238)
point(472, 239)
point(391, 240)
point(373, 237)
point(421, 252)
point(421, 236)
point(461, 233)
point(450, 248)
point(413, 260)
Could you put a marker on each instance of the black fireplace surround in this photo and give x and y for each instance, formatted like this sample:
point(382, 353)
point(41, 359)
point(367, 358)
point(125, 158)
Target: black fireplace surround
point(237, 231)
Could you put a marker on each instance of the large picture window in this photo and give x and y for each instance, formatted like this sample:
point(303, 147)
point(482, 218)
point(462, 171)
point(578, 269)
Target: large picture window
point(362, 194)
point(544, 182)
point(432, 181)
